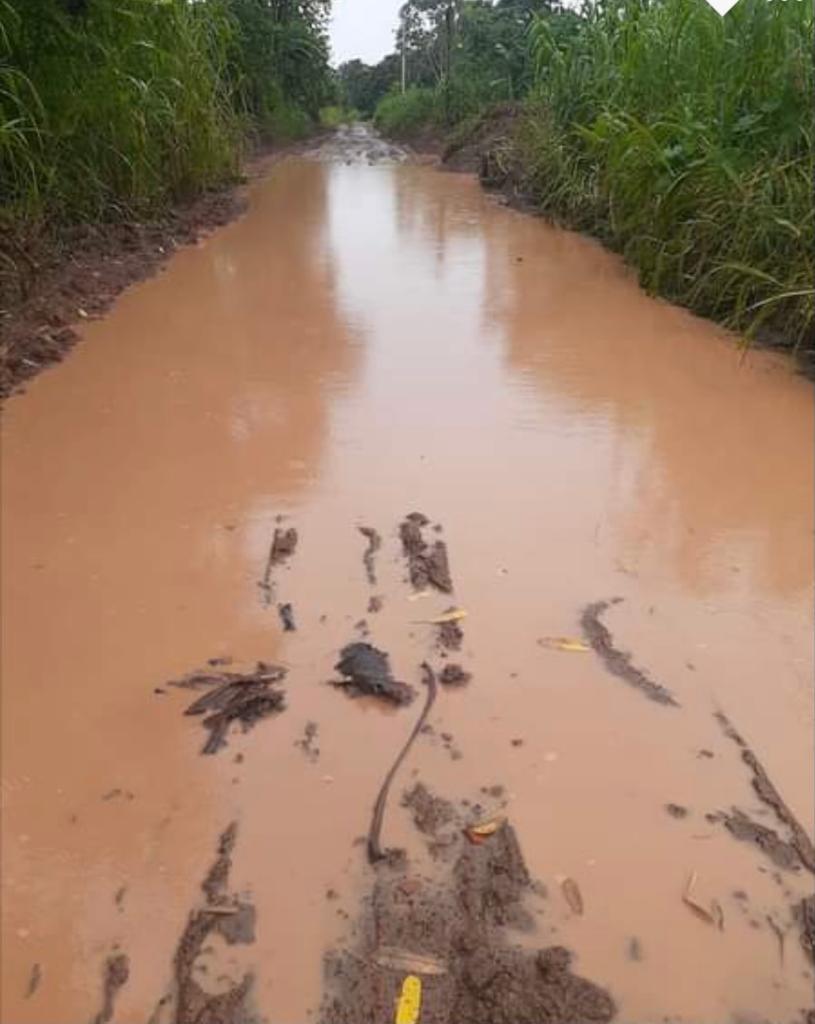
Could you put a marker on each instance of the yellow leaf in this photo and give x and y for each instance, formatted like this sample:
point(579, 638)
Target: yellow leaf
point(563, 643)
point(483, 830)
point(410, 1001)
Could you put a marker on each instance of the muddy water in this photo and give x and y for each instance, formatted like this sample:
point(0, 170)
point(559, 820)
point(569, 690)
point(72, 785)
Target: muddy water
point(371, 340)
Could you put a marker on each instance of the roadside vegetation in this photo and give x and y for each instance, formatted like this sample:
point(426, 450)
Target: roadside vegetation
point(681, 138)
point(112, 111)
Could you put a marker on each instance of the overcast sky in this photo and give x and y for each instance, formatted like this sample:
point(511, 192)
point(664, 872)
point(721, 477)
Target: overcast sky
point(363, 28)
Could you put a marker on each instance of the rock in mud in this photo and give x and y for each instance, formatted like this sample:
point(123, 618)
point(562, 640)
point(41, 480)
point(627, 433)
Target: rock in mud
point(367, 672)
point(369, 557)
point(451, 931)
point(234, 697)
point(114, 976)
point(616, 661)
point(427, 563)
point(454, 675)
point(780, 852)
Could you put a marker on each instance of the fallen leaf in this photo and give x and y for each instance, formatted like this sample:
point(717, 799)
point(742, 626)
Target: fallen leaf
point(397, 959)
point(563, 643)
point(410, 1001)
point(454, 615)
point(483, 830)
point(714, 915)
point(418, 595)
point(572, 895)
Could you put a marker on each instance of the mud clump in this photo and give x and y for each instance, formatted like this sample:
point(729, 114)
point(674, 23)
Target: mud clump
point(283, 546)
point(235, 922)
point(804, 913)
point(369, 556)
point(450, 636)
point(430, 813)
point(367, 672)
point(115, 975)
point(454, 675)
point(308, 742)
point(780, 852)
point(452, 933)
point(676, 810)
point(427, 563)
point(375, 604)
point(616, 661)
point(286, 613)
point(764, 788)
point(234, 697)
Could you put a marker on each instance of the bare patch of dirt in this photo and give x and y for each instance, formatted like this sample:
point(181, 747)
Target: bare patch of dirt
point(114, 976)
point(367, 672)
point(616, 661)
point(427, 563)
point(799, 840)
point(452, 933)
point(64, 277)
point(234, 697)
point(369, 555)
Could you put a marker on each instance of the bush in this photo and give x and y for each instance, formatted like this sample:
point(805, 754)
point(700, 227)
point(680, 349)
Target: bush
point(408, 113)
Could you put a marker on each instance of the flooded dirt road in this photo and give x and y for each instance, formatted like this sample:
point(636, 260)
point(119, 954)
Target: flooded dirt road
point(372, 339)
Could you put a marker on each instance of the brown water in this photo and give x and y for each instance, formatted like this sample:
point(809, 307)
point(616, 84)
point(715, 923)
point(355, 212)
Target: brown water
point(367, 341)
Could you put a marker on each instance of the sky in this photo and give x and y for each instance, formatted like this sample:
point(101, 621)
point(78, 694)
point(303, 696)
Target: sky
point(363, 28)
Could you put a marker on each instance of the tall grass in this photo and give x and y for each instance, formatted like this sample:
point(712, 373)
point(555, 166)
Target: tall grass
point(684, 139)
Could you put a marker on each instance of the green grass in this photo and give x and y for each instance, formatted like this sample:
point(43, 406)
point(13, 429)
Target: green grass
point(684, 140)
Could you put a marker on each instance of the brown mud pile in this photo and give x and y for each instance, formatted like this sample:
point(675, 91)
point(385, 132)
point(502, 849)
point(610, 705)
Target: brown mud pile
point(234, 697)
point(79, 275)
point(453, 935)
point(454, 675)
point(369, 555)
point(367, 673)
point(427, 563)
point(616, 661)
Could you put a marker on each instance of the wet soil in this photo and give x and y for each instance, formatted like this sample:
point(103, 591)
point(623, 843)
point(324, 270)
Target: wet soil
point(618, 662)
point(230, 697)
point(367, 673)
point(459, 925)
point(559, 424)
point(427, 563)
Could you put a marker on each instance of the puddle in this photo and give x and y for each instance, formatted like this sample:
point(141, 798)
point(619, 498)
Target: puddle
point(367, 342)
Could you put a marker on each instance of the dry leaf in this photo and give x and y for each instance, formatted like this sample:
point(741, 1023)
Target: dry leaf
point(563, 643)
point(483, 830)
point(711, 916)
point(572, 895)
point(403, 960)
point(454, 615)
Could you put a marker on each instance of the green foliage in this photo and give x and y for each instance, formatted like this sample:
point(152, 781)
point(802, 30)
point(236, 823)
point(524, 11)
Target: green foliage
point(406, 114)
point(684, 140)
point(113, 108)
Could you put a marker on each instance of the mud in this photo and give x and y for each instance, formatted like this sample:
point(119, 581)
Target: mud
point(430, 813)
point(308, 742)
point(616, 661)
point(458, 927)
point(114, 976)
point(356, 144)
point(805, 917)
point(283, 546)
point(286, 613)
point(367, 673)
point(427, 563)
point(67, 277)
point(782, 854)
point(369, 555)
point(450, 636)
point(676, 810)
point(34, 980)
point(244, 698)
point(766, 791)
point(454, 675)
point(191, 1004)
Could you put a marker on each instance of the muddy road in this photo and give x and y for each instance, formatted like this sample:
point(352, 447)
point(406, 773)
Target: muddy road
point(208, 520)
